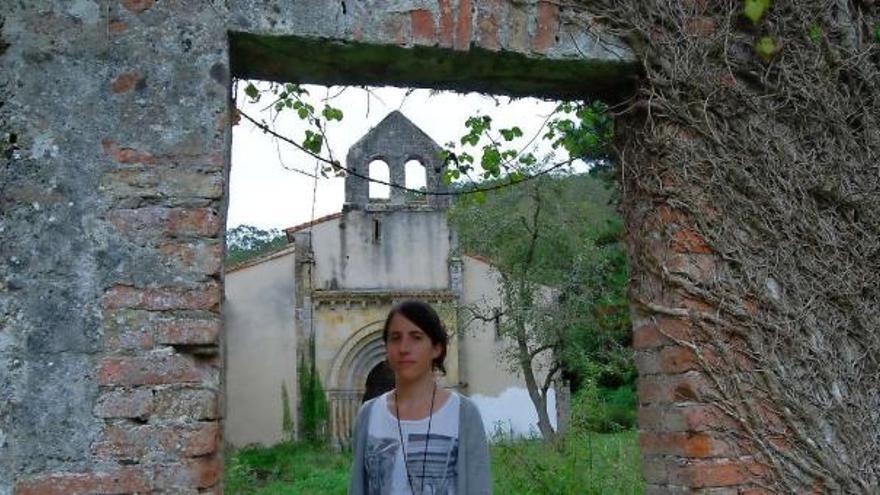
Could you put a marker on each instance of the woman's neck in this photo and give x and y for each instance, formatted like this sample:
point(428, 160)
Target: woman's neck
point(415, 391)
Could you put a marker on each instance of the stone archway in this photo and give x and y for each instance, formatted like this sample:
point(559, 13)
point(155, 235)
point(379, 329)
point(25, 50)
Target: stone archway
point(359, 355)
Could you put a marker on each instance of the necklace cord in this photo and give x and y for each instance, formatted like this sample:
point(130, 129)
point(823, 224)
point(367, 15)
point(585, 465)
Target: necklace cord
point(427, 439)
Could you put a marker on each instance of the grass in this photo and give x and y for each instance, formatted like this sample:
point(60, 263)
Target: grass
point(593, 463)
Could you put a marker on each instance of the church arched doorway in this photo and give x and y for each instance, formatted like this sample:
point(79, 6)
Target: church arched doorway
point(379, 380)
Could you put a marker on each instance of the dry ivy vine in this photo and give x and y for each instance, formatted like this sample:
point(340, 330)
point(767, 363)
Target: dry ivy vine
point(765, 135)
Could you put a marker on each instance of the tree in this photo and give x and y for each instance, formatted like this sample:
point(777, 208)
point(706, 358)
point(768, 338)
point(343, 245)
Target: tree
point(560, 308)
point(246, 242)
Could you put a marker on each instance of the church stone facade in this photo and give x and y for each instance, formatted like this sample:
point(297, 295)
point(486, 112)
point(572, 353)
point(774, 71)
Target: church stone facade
point(324, 298)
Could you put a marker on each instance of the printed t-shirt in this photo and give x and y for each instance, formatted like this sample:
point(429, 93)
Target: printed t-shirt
point(384, 457)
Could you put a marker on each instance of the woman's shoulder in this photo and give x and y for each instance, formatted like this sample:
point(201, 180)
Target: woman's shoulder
point(366, 408)
point(467, 407)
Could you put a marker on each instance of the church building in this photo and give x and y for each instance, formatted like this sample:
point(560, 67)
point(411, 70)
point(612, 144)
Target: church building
point(323, 299)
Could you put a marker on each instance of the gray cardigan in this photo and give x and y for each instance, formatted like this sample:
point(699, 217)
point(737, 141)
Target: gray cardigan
point(474, 476)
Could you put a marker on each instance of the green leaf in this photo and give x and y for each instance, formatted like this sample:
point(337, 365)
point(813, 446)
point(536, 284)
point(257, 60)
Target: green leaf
point(331, 113)
point(491, 160)
point(815, 33)
point(447, 177)
point(755, 9)
point(766, 48)
point(313, 142)
point(480, 197)
point(252, 92)
point(877, 32)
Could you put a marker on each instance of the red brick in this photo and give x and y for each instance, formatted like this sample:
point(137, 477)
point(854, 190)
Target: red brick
point(693, 417)
point(129, 479)
point(173, 222)
point(125, 82)
point(126, 155)
point(689, 241)
point(195, 473)
point(138, 6)
point(686, 444)
point(654, 469)
point(422, 27)
point(699, 26)
point(698, 267)
point(151, 370)
point(150, 182)
point(699, 417)
point(135, 403)
point(487, 22)
point(206, 259)
point(663, 389)
point(547, 25)
point(121, 338)
point(189, 403)
point(134, 442)
point(116, 27)
point(669, 215)
point(678, 359)
point(447, 24)
point(701, 474)
point(651, 332)
point(463, 28)
point(727, 80)
point(188, 331)
point(206, 297)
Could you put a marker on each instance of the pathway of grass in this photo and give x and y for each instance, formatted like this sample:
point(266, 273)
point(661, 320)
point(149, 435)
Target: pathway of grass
point(587, 464)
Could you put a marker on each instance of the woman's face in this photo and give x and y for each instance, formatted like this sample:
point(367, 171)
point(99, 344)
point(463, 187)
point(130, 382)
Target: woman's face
point(410, 351)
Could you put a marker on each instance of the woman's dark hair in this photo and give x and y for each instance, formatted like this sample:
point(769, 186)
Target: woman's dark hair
point(422, 315)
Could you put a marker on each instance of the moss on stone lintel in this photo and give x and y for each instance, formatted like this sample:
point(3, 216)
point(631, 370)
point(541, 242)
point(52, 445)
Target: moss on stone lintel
point(328, 62)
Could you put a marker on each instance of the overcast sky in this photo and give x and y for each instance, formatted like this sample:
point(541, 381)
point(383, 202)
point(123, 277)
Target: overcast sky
point(264, 194)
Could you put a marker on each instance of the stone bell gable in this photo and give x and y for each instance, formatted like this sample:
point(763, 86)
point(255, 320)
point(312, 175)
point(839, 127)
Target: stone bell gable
point(395, 140)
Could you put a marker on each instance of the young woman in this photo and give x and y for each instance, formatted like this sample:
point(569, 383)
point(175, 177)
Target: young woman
point(418, 438)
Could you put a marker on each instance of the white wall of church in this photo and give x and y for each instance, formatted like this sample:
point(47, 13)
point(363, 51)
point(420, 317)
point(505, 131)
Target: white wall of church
point(409, 253)
point(260, 349)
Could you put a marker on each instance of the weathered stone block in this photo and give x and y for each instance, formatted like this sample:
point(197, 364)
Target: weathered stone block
point(188, 331)
point(136, 442)
point(194, 473)
point(205, 297)
point(125, 479)
point(125, 403)
point(152, 369)
point(197, 404)
point(155, 221)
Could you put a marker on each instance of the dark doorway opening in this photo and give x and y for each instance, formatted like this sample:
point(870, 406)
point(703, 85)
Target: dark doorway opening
point(379, 380)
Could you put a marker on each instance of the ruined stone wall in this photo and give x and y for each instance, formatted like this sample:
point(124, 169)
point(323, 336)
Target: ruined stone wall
point(115, 153)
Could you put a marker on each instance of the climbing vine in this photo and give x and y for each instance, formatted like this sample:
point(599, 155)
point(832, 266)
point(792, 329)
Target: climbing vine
point(755, 125)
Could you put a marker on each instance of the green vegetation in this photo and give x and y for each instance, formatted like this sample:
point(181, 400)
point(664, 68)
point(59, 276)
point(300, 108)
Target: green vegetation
point(313, 402)
point(246, 242)
point(287, 468)
point(582, 463)
point(286, 416)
